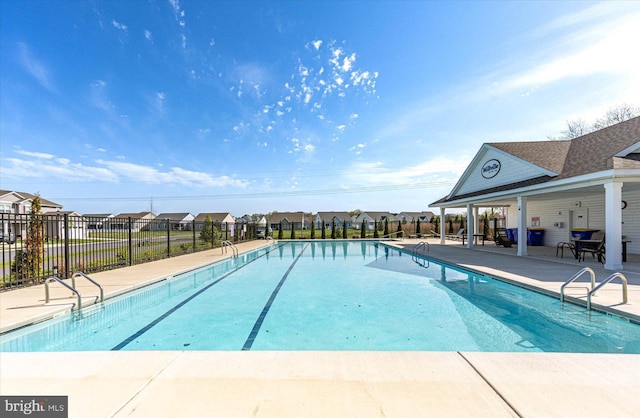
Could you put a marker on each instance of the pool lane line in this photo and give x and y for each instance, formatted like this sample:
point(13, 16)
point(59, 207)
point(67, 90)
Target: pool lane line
point(256, 327)
point(184, 302)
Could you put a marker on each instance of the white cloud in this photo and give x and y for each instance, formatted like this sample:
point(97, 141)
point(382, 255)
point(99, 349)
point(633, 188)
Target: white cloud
point(602, 47)
point(41, 165)
point(35, 67)
point(446, 170)
point(40, 155)
point(148, 35)
point(120, 26)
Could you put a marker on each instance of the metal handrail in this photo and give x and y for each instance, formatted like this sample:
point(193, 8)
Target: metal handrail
point(59, 280)
point(79, 273)
point(234, 249)
point(575, 277)
point(394, 233)
point(625, 299)
point(421, 244)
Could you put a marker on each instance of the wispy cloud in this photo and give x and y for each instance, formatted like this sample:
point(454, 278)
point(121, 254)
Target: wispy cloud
point(179, 15)
point(40, 155)
point(42, 165)
point(597, 41)
point(99, 98)
point(118, 25)
point(437, 170)
point(36, 68)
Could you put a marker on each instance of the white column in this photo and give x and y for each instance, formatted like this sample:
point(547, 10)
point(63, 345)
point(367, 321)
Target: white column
point(476, 223)
point(470, 225)
point(442, 226)
point(522, 225)
point(613, 225)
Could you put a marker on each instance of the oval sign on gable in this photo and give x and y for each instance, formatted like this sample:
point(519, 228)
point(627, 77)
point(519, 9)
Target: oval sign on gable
point(490, 169)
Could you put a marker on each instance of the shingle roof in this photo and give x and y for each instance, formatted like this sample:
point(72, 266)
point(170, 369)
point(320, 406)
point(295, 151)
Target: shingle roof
point(29, 196)
point(595, 151)
point(587, 154)
point(277, 217)
point(549, 155)
point(173, 216)
point(215, 216)
point(326, 216)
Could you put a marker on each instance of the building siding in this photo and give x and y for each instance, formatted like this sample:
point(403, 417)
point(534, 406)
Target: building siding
point(559, 210)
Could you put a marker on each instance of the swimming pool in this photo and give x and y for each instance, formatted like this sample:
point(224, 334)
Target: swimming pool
point(330, 295)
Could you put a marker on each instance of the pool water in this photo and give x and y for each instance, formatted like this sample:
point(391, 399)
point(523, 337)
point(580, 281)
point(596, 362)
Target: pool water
point(331, 295)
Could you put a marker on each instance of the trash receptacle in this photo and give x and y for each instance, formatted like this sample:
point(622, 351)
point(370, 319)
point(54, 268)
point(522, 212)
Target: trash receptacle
point(512, 234)
point(535, 236)
point(583, 233)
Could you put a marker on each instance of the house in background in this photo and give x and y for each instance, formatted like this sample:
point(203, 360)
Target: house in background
point(55, 229)
point(96, 221)
point(297, 220)
point(329, 217)
point(409, 217)
point(137, 221)
point(370, 219)
point(174, 221)
point(221, 220)
point(19, 203)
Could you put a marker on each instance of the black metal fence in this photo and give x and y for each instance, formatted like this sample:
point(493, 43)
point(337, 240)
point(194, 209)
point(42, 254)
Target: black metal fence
point(36, 247)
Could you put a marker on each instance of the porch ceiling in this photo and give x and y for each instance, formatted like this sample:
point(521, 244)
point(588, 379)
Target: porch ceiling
point(510, 198)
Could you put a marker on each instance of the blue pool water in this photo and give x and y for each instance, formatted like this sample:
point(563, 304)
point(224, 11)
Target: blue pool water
point(335, 295)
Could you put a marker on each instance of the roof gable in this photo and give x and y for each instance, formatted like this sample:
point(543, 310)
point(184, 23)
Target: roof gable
point(494, 165)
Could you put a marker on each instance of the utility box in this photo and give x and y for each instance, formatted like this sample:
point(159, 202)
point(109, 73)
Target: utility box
point(558, 224)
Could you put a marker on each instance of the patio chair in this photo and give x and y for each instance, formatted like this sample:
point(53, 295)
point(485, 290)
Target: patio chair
point(598, 251)
point(562, 245)
point(459, 235)
point(503, 239)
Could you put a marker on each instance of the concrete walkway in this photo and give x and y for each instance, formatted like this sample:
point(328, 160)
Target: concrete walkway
point(320, 384)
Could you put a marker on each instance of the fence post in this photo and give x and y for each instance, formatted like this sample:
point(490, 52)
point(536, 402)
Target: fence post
point(168, 238)
point(66, 246)
point(130, 242)
point(193, 229)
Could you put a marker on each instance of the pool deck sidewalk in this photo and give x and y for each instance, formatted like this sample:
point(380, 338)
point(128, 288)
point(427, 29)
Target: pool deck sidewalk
point(327, 383)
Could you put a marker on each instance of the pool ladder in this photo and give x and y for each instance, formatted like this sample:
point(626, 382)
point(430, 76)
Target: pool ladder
point(419, 246)
point(228, 244)
point(422, 262)
point(72, 288)
point(594, 288)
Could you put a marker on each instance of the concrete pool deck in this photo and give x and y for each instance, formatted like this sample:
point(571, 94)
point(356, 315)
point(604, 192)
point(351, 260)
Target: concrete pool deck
point(354, 384)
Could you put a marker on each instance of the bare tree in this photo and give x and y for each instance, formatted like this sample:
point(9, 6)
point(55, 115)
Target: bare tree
point(617, 114)
point(575, 128)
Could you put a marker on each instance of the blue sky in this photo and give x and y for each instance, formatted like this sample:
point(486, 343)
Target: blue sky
point(256, 106)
